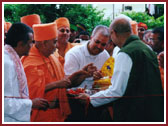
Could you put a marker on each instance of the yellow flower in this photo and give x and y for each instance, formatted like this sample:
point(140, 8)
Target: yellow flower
point(107, 71)
point(108, 67)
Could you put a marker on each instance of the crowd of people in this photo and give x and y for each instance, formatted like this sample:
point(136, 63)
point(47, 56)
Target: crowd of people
point(43, 60)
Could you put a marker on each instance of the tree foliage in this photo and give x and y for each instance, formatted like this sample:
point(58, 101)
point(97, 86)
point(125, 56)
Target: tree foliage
point(76, 13)
point(87, 15)
point(150, 21)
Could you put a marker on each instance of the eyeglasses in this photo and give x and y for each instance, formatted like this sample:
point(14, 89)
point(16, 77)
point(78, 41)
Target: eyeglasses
point(63, 30)
point(141, 29)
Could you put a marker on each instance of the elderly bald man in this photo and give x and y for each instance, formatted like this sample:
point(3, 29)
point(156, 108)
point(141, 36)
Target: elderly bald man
point(136, 90)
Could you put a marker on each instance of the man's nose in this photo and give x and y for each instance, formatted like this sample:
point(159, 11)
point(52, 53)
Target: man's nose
point(100, 47)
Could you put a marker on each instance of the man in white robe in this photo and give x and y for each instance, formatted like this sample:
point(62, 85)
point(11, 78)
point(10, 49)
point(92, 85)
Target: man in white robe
point(17, 105)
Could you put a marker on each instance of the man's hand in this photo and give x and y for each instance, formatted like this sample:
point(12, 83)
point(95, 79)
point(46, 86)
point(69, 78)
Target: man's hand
point(78, 77)
point(84, 98)
point(97, 75)
point(64, 83)
point(90, 68)
point(40, 103)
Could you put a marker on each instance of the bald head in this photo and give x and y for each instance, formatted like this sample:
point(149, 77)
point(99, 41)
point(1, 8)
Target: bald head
point(121, 25)
point(120, 30)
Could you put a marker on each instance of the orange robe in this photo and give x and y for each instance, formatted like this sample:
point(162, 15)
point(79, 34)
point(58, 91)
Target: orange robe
point(39, 72)
point(68, 47)
point(162, 76)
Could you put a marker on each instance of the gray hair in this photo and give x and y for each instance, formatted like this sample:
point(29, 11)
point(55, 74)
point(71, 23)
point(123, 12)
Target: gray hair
point(121, 25)
point(104, 30)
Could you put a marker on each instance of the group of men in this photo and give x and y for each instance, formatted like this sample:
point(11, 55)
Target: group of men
point(37, 75)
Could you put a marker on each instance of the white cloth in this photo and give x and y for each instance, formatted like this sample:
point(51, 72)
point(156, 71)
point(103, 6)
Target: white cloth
point(122, 68)
point(15, 109)
point(115, 51)
point(84, 41)
point(151, 8)
point(78, 57)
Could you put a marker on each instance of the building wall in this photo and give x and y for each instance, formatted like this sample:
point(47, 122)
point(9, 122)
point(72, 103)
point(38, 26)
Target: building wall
point(113, 10)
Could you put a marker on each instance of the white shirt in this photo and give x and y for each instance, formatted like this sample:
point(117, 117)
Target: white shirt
point(78, 57)
point(15, 109)
point(122, 68)
point(115, 51)
point(83, 41)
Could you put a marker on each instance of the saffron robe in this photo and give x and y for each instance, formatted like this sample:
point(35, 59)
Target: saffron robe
point(39, 72)
point(68, 47)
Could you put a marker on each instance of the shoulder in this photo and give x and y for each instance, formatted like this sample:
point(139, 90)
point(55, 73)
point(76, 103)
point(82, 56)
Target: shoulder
point(76, 49)
point(7, 60)
point(31, 61)
point(76, 54)
point(74, 44)
point(134, 46)
point(104, 54)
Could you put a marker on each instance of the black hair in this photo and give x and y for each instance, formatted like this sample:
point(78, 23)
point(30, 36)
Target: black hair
point(18, 32)
point(84, 33)
point(160, 31)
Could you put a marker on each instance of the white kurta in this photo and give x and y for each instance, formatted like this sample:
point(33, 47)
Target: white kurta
point(122, 68)
point(115, 51)
point(15, 109)
point(78, 57)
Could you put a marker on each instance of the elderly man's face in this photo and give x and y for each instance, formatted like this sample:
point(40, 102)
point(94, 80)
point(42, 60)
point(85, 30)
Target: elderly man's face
point(114, 38)
point(98, 43)
point(50, 46)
